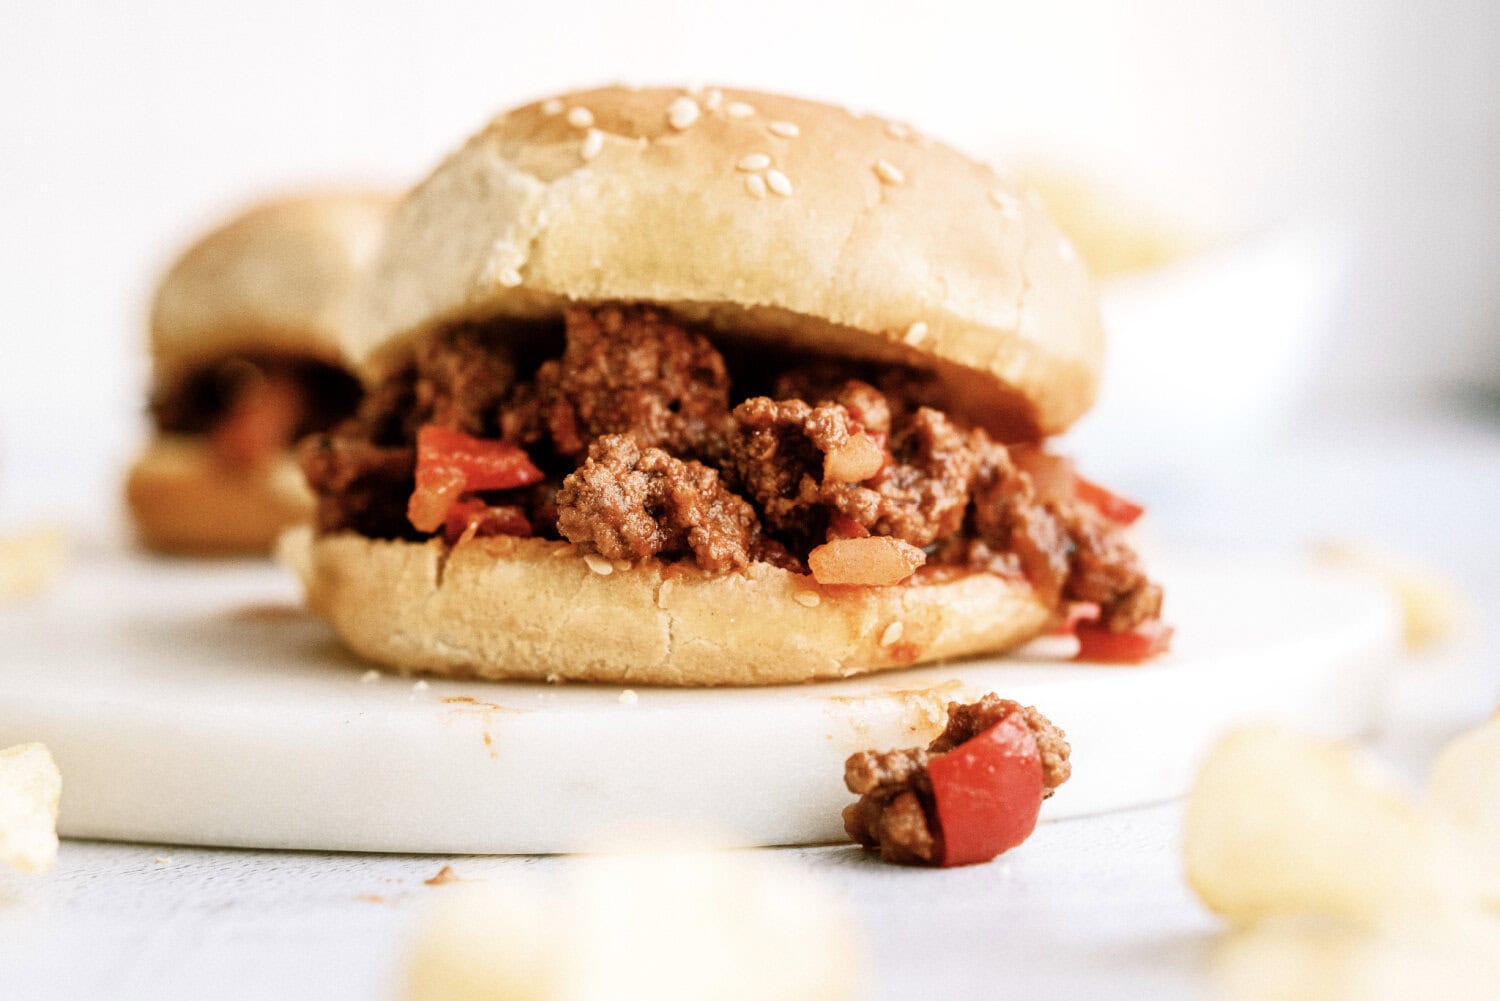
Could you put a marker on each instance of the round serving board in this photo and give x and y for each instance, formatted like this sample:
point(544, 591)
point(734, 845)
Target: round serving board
point(194, 703)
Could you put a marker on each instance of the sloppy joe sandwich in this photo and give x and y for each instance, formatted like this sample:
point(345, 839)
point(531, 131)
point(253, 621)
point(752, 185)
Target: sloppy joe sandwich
point(246, 333)
point(715, 387)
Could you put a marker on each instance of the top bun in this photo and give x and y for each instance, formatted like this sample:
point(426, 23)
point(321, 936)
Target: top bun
point(766, 216)
point(278, 277)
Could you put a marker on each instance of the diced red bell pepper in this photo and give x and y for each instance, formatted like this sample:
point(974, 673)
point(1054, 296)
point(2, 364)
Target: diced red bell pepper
point(451, 464)
point(486, 465)
point(1078, 612)
point(472, 517)
point(1114, 507)
point(1098, 643)
point(987, 792)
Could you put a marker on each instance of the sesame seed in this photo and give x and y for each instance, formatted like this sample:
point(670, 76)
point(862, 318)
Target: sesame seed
point(593, 142)
point(753, 161)
point(599, 565)
point(580, 118)
point(629, 698)
point(1009, 207)
point(756, 185)
point(808, 599)
point(916, 333)
point(778, 182)
point(552, 106)
point(420, 686)
point(892, 633)
point(682, 113)
point(369, 676)
point(897, 131)
point(622, 565)
point(1066, 250)
point(889, 172)
point(509, 277)
point(739, 109)
point(786, 130)
point(662, 593)
point(713, 99)
point(554, 678)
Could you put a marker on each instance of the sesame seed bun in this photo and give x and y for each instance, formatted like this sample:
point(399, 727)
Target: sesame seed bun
point(277, 278)
point(532, 609)
point(770, 217)
point(184, 500)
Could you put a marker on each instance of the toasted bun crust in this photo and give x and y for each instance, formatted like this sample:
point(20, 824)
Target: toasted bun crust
point(279, 277)
point(886, 246)
point(533, 609)
point(183, 501)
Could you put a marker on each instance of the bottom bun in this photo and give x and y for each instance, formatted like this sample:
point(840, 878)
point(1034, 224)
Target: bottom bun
point(184, 500)
point(534, 609)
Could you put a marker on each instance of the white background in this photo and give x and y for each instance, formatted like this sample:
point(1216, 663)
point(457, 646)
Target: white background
point(125, 128)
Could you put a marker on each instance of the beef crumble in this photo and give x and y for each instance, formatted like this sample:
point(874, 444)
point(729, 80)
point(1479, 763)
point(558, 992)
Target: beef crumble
point(644, 457)
point(631, 503)
point(895, 813)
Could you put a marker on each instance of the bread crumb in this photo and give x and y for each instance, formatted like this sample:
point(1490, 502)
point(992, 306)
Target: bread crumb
point(163, 859)
point(443, 876)
point(629, 698)
point(598, 564)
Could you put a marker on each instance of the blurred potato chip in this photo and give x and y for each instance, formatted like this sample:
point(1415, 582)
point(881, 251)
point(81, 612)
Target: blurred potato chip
point(30, 787)
point(1464, 788)
point(1455, 958)
point(1282, 824)
point(1432, 610)
point(30, 561)
point(700, 926)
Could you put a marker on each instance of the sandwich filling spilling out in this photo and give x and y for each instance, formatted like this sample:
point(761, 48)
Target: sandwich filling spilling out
point(644, 439)
point(251, 408)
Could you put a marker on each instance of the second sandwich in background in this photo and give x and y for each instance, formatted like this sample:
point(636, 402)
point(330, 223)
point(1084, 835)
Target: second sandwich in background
point(246, 333)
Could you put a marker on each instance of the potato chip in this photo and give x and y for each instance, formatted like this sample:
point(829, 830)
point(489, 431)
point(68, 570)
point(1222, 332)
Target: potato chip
point(1432, 610)
point(1455, 957)
point(1282, 824)
point(629, 928)
point(30, 561)
point(1464, 789)
point(29, 790)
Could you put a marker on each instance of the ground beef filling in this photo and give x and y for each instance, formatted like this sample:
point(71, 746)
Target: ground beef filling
point(895, 813)
point(253, 407)
point(647, 454)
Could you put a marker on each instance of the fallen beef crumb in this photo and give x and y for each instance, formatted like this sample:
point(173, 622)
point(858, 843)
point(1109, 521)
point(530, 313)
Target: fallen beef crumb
point(630, 503)
point(895, 813)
